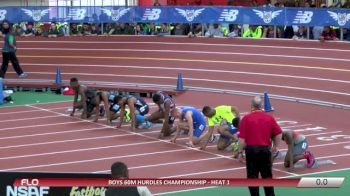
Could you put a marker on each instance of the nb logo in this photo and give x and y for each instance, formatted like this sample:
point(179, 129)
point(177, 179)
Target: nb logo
point(3, 14)
point(77, 14)
point(228, 15)
point(303, 17)
point(151, 14)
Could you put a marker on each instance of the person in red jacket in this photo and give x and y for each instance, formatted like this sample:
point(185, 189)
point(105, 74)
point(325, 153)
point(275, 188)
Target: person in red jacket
point(328, 34)
point(256, 131)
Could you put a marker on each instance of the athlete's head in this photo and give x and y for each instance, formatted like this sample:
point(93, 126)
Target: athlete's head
point(257, 103)
point(176, 112)
point(74, 83)
point(208, 111)
point(118, 100)
point(119, 170)
point(157, 98)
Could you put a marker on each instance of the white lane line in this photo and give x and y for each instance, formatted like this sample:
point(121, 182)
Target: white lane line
point(77, 150)
point(19, 112)
point(192, 52)
point(197, 44)
point(237, 168)
point(202, 80)
point(165, 164)
point(65, 141)
point(93, 160)
point(50, 133)
point(42, 125)
point(34, 118)
point(192, 69)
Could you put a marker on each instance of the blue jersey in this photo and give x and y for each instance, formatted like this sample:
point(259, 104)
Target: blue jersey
point(197, 116)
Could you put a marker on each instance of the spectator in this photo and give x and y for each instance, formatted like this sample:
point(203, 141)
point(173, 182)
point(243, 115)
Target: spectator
point(346, 4)
point(121, 29)
point(86, 29)
point(346, 34)
point(120, 170)
point(178, 30)
point(328, 34)
point(124, 29)
point(74, 31)
point(253, 32)
point(156, 3)
point(196, 30)
point(150, 29)
point(317, 32)
point(301, 33)
point(235, 30)
point(108, 29)
point(164, 30)
point(254, 3)
point(230, 3)
point(214, 31)
point(256, 130)
point(53, 31)
point(269, 32)
point(95, 30)
point(29, 31)
point(268, 4)
point(38, 31)
point(336, 4)
point(18, 31)
point(138, 30)
point(9, 52)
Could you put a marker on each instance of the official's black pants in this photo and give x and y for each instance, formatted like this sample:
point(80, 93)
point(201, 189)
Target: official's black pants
point(258, 160)
point(6, 58)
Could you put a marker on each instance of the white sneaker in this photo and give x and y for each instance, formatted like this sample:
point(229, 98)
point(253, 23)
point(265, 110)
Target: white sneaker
point(23, 75)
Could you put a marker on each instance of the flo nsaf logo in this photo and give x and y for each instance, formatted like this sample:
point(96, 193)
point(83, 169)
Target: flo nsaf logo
point(3, 14)
point(116, 14)
point(36, 15)
point(27, 191)
point(151, 14)
point(341, 18)
point(267, 16)
point(303, 17)
point(190, 15)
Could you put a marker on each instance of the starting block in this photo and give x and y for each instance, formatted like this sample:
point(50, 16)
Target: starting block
point(316, 165)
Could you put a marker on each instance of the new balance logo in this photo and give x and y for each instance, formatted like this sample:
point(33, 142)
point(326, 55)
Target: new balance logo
point(228, 15)
point(303, 17)
point(77, 14)
point(151, 14)
point(3, 14)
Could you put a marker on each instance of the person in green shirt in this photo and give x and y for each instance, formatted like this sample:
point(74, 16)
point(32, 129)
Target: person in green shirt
point(254, 32)
point(9, 52)
point(227, 117)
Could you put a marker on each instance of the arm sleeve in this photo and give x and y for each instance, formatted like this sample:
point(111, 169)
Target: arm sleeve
point(276, 129)
point(143, 191)
point(11, 39)
point(242, 128)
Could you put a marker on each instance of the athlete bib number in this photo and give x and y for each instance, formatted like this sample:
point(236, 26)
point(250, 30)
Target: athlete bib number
point(303, 146)
point(143, 108)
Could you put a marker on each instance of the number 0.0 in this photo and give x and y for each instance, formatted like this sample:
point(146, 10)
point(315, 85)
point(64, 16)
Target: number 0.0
point(320, 182)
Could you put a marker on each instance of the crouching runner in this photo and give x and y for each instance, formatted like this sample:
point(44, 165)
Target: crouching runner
point(192, 120)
